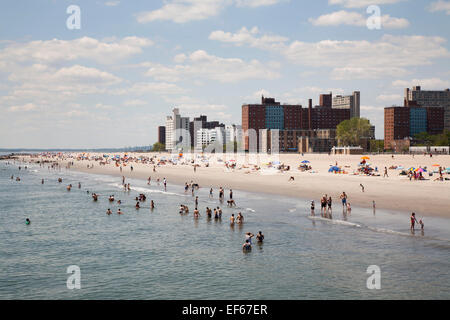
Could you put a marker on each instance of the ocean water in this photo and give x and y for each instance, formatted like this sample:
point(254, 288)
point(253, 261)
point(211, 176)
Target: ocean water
point(162, 255)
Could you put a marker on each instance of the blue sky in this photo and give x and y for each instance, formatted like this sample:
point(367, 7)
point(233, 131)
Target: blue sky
point(113, 81)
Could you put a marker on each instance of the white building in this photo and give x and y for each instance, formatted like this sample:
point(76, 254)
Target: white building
point(209, 137)
point(351, 102)
point(177, 132)
point(233, 133)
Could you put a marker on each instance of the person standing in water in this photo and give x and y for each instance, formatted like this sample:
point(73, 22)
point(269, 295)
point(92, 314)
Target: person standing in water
point(413, 221)
point(152, 205)
point(312, 207)
point(165, 184)
point(344, 199)
point(260, 237)
point(211, 192)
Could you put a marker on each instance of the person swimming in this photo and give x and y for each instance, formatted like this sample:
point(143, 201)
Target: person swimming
point(108, 212)
point(240, 218)
point(137, 205)
point(27, 221)
point(119, 211)
point(247, 246)
point(260, 237)
point(249, 236)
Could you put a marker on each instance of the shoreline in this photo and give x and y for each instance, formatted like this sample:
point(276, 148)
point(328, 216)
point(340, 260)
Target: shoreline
point(395, 193)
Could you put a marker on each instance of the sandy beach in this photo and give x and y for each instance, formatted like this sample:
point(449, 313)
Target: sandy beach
point(396, 192)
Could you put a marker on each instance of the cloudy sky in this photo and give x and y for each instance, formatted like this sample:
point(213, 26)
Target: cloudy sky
point(111, 82)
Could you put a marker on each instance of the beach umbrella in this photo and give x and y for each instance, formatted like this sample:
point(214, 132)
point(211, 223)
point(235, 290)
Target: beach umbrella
point(436, 165)
point(411, 169)
point(420, 170)
point(305, 161)
point(334, 168)
point(275, 162)
point(365, 158)
point(400, 167)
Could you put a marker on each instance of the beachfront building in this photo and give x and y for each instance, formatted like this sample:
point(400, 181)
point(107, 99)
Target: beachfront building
point(272, 115)
point(177, 132)
point(350, 102)
point(162, 134)
point(308, 141)
point(233, 134)
point(403, 123)
point(429, 99)
point(210, 137)
point(201, 122)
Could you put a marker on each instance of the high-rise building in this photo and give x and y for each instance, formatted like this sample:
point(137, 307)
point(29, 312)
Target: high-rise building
point(272, 115)
point(405, 122)
point(162, 134)
point(177, 132)
point(201, 123)
point(427, 98)
point(326, 100)
point(351, 102)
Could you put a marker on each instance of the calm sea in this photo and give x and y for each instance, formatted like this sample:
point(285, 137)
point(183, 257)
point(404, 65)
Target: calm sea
point(162, 255)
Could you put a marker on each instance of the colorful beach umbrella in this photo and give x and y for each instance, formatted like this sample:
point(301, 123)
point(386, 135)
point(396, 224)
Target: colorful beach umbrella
point(436, 165)
point(305, 161)
point(334, 168)
point(420, 170)
point(365, 158)
point(411, 169)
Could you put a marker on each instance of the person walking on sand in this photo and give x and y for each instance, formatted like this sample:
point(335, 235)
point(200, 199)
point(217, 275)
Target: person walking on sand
point(385, 175)
point(362, 187)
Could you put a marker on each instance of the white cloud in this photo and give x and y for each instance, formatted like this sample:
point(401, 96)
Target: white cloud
point(248, 37)
point(361, 3)
point(426, 84)
point(143, 88)
point(53, 51)
point(23, 108)
point(112, 3)
point(440, 6)
point(390, 98)
point(135, 103)
point(389, 56)
point(257, 3)
point(200, 64)
point(349, 59)
point(182, 11)
point(350, 18)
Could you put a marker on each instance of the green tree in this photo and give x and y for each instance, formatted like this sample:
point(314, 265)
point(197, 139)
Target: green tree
point(158, 147)
point(350, 132)
point(376, 145)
